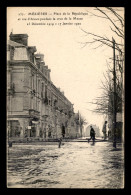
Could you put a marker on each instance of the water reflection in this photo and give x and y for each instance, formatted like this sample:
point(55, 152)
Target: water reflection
point(74, 165)
point(93, 143)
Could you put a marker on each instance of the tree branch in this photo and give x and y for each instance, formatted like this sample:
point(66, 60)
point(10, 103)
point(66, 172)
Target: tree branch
point(110, 21)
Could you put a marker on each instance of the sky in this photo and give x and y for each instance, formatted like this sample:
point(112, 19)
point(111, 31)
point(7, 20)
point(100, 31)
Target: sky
point(75, 68)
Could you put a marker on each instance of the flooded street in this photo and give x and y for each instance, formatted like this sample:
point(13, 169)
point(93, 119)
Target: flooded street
point(74, 165)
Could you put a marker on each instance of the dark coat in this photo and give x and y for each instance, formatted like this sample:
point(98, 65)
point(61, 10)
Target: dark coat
point(92, 132)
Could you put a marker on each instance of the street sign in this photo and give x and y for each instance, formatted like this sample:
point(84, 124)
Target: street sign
point(35, 122)
point(119, 117)
point(29, 127)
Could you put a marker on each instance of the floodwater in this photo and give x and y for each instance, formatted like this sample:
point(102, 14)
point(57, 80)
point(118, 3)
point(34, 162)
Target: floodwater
point(74, 165)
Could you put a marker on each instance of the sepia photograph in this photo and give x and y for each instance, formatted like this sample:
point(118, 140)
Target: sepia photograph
point(65, 97)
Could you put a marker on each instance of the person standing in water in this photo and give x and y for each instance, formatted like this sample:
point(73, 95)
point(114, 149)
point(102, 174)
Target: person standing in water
point(59, 144)
point(92, 134)
point(104, 130)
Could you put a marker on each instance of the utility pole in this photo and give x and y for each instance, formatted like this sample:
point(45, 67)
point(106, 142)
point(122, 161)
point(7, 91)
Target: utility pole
point(80, 125)
point(114, 96)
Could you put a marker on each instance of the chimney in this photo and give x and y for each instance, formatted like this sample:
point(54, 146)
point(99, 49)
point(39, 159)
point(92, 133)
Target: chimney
point(40, 56)
point(62, 92)
point(19, 38)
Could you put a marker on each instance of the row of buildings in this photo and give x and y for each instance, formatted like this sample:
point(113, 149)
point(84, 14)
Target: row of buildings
point(35, 106)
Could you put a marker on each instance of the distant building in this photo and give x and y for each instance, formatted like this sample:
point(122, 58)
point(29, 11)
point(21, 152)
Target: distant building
point(35, 106)
point(97, 131)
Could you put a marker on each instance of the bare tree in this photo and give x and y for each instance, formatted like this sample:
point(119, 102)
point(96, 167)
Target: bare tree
point(116, 26)
point(111, 101)
point(104, 103)
point(82, 122)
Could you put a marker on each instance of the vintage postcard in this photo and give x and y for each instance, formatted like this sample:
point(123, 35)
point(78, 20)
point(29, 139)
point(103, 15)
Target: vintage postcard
point(65, 97)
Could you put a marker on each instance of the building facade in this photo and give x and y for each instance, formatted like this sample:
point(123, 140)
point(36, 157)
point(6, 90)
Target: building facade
point(35, 106)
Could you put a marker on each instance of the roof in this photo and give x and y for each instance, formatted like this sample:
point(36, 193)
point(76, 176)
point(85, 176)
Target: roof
point(15, 44)
point(15, 35)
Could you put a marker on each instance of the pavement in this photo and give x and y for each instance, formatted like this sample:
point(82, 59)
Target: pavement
point(51, 141)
